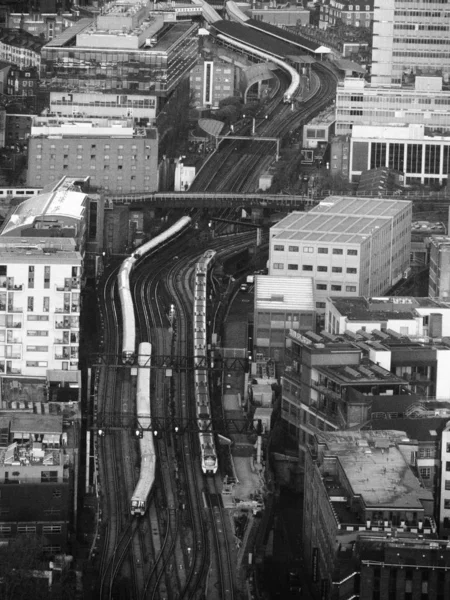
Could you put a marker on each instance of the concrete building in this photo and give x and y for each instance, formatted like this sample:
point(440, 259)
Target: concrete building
point(281, 304)
point(422, 155)
point(35, 485)
point(319, 129)
point(360, 103)
point(116, 155)
point(361, 491)
point(444, 499)
point(211, 81)
point(350, 246)
point(417, 318)
point(140, 107)
point(40, 24)
point(126, 51)
point(356, 15)
point(20, 48)
point(439, 278)
point(410, 39)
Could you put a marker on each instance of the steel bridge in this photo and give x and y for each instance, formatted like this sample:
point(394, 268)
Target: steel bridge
point(216, 200)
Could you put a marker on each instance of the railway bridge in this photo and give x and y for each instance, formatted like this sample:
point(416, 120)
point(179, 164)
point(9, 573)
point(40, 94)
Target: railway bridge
point(215, 200)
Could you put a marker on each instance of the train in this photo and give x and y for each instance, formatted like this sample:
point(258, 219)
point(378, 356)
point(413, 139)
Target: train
point(123, 278)
point(209, 460)
point(139, 499)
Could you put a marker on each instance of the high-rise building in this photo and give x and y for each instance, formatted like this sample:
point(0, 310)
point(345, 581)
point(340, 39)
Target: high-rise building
point(350, 246)
point(410, 38)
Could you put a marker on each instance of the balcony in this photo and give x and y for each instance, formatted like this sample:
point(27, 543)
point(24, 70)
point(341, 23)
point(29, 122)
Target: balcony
point(63, 310)
point(323, 389)
point(14, 288)
point(15, 309)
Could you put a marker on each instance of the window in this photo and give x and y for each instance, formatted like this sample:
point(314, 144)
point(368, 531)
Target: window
point(351, 270)
point(307, 267)
point(51, 529)
point(46, 304)
point(293, 248)
point(278, 248)
point(31, 277)
point(321, 286)
point(292, 267)
point(49, 476)
point(37, 317)
point(336, 269)
point(322, 250)
point(448, 448)
point(308, 249)
point(338, 251)
point(350, 288)
point(30, 304)
point(446, 503)
point(447, 485)
point(278, 266)
point(336, 288)
point(322, 269)
point(425, 472)
point(46, 277)
point(320, 304)
point(351, 252)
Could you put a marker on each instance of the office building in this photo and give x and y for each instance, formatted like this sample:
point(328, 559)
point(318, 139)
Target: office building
point(115, 154)
point(422, 155)
point(439, 277)
point(35, 485)
point(350, 246)
point(361, 103)
point(409, 39)
point(126, 51)
point(417, 318)
point(212, 81)
point(281, 304)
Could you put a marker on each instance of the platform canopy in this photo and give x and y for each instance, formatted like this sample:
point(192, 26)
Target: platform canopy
point(322, 50)
point(211, 126)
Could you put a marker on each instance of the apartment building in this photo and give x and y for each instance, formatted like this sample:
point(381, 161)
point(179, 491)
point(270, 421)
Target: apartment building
point(126, 51)
point(421, 154)
point(439, 277)
point(410, 38)
point(444, 499)
point(358, 14)
point(413, 317)
point(20, 48)
point(116, 155)
point(368, 527)
point(350, 246)
point(361, 103)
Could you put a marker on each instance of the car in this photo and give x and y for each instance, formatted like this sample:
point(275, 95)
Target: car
point(244, 287)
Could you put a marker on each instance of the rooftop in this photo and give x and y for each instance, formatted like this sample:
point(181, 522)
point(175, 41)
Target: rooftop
point(339, 219)
point(383, 308)
point(284, 293)
point(375, 468)
point(363, 374)
point(325, 117)
point(21, 39)
point(51, 250)
point(23, 422)
point(29, 454)
point(422, 430)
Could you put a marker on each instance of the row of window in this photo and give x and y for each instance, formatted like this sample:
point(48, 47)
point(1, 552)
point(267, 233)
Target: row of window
point(320, 250)
point(335, 287)
point(320, 268)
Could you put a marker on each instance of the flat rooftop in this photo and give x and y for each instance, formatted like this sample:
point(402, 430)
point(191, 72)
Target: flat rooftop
point(284, 293)
point(375, 468)
point(383, 308)
point(363, 374)
point(339, 220)
point(49, 250)
point(24, 422)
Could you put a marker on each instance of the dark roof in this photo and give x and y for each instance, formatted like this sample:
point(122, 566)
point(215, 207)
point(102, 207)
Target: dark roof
point(289, 36)
point(422, 430)
point(22, 39)
point(393, 404)
point(257, 39)
point(361, 309)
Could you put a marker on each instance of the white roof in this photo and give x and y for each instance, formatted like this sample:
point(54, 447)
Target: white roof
point(62, 203)
point(284, 293)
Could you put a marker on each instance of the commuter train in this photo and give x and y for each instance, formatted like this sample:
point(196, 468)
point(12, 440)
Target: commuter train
point(202, 400)
point(139, 499)
point(126, 300)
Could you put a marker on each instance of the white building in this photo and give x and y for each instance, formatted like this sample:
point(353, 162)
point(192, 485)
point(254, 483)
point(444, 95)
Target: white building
point(444, 500)
point(410, 38)
point(421, 154)
point(40, 285)
point(350, 246)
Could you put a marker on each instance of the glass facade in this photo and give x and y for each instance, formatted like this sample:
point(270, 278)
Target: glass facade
point(120, 71)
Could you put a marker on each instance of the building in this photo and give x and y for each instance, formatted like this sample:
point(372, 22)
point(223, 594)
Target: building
point(414, 317)
point(350, 246)
point(329, 384)
point(125, 51)
point(116, 155)
point(339, 155)
point(362, 493)
point(444, 499)
point(140, 107)
point(281, 304)
point(211, 81)
point(17, 129)
point(280, 15)
point(356, 15)
point(319, 129)
point(410, 39)
point(439, 277)
point(20, 48)
point(44, 24)
point(22, 82)
point(421, 154)
point(35, 485)
point(360, 103)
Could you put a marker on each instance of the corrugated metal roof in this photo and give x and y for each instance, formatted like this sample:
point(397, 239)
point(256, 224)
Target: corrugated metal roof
point(284, 293)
